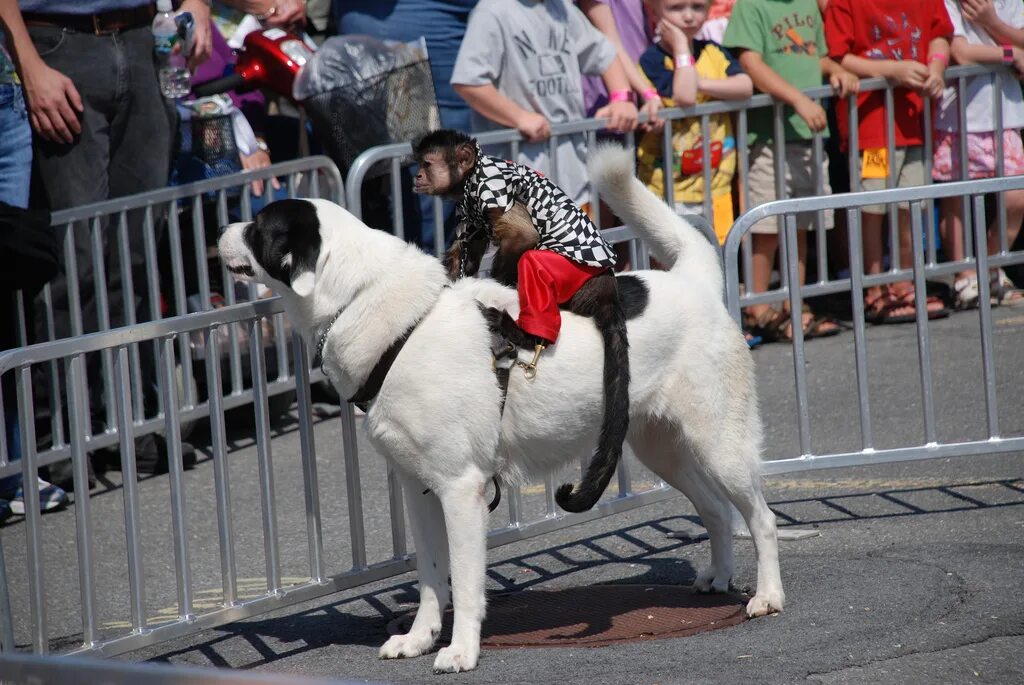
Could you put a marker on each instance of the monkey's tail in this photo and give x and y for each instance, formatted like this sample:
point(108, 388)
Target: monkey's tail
point(611, 322)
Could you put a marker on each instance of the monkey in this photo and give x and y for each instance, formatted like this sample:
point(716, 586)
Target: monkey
point(539, 233)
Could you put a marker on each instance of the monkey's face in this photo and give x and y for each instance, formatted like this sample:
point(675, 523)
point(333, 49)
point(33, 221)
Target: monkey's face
point(435, 176)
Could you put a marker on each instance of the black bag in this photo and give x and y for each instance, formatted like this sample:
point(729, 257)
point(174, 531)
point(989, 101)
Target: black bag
point(29, 251)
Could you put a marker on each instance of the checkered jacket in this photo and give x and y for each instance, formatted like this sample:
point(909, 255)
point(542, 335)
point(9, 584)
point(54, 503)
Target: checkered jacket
point(563, 227)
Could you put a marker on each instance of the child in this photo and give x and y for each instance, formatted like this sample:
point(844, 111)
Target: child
point(782, 46)
point(687, 70)
point(907, 43)
point(983, 33)
point(520, 66)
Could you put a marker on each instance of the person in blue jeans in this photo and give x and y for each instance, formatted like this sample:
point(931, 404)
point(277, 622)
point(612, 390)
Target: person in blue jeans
point(442, 23)
point(102, 130)
point(15, 175)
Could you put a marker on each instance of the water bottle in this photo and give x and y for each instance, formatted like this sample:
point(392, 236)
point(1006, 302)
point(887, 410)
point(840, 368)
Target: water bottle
point(175, 80)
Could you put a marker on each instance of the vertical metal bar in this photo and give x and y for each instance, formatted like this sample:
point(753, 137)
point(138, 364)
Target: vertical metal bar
point(54, 396)
point(439, 237)
point(667, 161)
point(792, 266)
point(929, 209)
point(174, 470)
point(103, 314)
point(128, 307)
point(997, 111)
point(705, 150)
point(744, 167)
point(398, 212)
point(553, 142)
point(181, 305)
point(853, 216)
point(965, 207)
point(218, 445)
point(234, 345)
point(307, 445)
point(818, 164)
point(890, 182)
point(259, 386)
point(921, 304)
point(985, 312)
point(853, 146)
point(779, 158)
point(79, 424)
point(515, 507)
point(71, 278)
point(352, 484)
point(199, 239)
point(33, 523)
point(136, 577)
point(399, 546)
point(549, 496)
point(625, 479)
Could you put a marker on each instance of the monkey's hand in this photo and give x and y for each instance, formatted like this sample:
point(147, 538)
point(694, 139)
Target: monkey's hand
point(514, 233)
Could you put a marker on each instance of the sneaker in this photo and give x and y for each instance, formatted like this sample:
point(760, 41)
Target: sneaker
point(151, 455)
point(50, 497)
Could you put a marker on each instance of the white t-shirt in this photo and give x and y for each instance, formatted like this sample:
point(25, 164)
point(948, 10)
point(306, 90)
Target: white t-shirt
point(534, 52)
point(980, 89)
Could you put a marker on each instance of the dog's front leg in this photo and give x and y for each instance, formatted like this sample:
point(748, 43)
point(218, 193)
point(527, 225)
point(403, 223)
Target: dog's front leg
point(465, 513)
point(431, 540)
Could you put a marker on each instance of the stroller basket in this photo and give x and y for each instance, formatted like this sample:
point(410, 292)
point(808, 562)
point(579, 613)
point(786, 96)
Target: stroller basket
point(394, 107)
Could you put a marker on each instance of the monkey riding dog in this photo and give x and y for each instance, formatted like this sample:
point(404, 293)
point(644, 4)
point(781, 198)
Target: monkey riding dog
point(548, 249)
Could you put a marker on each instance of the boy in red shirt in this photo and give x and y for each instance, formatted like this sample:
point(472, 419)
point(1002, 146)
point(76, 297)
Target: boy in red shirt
point(907, 43)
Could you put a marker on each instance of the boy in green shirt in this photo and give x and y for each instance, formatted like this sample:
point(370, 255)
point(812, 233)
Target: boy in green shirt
point(781, 45)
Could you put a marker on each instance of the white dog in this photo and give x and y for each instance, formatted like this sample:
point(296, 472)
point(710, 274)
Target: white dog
point(437, 417)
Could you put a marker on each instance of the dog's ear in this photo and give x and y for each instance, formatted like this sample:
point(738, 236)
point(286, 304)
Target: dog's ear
point(302, 270)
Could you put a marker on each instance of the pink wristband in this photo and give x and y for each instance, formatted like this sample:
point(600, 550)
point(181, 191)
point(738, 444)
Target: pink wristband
point(650, 94)
point(620, 96)
point(942, 57)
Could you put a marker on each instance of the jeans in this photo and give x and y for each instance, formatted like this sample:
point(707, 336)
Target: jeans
point(124, 148)
point(15, 146)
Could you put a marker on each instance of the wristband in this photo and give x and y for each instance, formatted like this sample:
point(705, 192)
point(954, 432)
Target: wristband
point(941, 56)
point(650, 94)
point(1007, 54)
point(684, 59)
point(620, 96)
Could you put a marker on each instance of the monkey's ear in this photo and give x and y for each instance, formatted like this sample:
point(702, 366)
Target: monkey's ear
point(465, 157)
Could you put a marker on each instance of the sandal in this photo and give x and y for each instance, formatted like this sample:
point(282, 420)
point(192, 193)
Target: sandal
point(965, 292)
point(1004, 292)
point(880, 309)
point(934, 305)
point(773, 325)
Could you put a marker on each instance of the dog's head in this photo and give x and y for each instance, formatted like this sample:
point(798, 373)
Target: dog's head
point(279, 247)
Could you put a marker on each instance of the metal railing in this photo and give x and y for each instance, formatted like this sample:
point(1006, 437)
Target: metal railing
point(924, 266)
point(174, 281)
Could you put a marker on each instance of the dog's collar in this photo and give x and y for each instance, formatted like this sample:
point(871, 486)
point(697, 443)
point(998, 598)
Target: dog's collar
point(319, 359)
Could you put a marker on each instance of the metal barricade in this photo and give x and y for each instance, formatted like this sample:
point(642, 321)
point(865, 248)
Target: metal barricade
point(122, 236)
point(924, 266)
point(147, 574)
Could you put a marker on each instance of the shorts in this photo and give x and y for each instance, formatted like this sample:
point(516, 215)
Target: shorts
point(981, 155)
point(907, 167)
point(721, 207)
point(800, 182)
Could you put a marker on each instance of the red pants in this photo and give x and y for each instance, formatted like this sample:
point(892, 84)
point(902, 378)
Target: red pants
point(547, 279)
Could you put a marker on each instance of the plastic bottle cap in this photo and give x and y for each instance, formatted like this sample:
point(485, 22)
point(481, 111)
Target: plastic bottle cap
point(164, 6)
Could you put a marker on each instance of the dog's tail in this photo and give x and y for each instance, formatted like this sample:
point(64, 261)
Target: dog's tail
point(611, 322)
point(673, 240)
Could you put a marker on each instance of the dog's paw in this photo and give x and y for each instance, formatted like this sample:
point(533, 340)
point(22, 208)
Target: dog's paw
point(710, 581)
point(764, 603)
point(407, 646)
point(455, 659)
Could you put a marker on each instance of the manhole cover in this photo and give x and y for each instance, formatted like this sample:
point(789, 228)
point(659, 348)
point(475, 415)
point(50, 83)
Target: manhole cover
point(596, 616)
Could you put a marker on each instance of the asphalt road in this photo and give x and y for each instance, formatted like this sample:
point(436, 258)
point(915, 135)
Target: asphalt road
point(914, 577)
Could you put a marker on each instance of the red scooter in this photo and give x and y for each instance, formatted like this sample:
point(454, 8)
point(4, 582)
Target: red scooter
point(268, 59)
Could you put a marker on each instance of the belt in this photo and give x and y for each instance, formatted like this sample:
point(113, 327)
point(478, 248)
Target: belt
point(98, 24)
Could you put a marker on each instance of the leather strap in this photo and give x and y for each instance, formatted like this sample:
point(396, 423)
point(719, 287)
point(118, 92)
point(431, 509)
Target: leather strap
point(369, 389)
point(98, 24)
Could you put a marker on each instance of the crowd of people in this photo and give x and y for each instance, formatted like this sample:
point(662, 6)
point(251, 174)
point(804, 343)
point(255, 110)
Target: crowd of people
point(82, 117)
